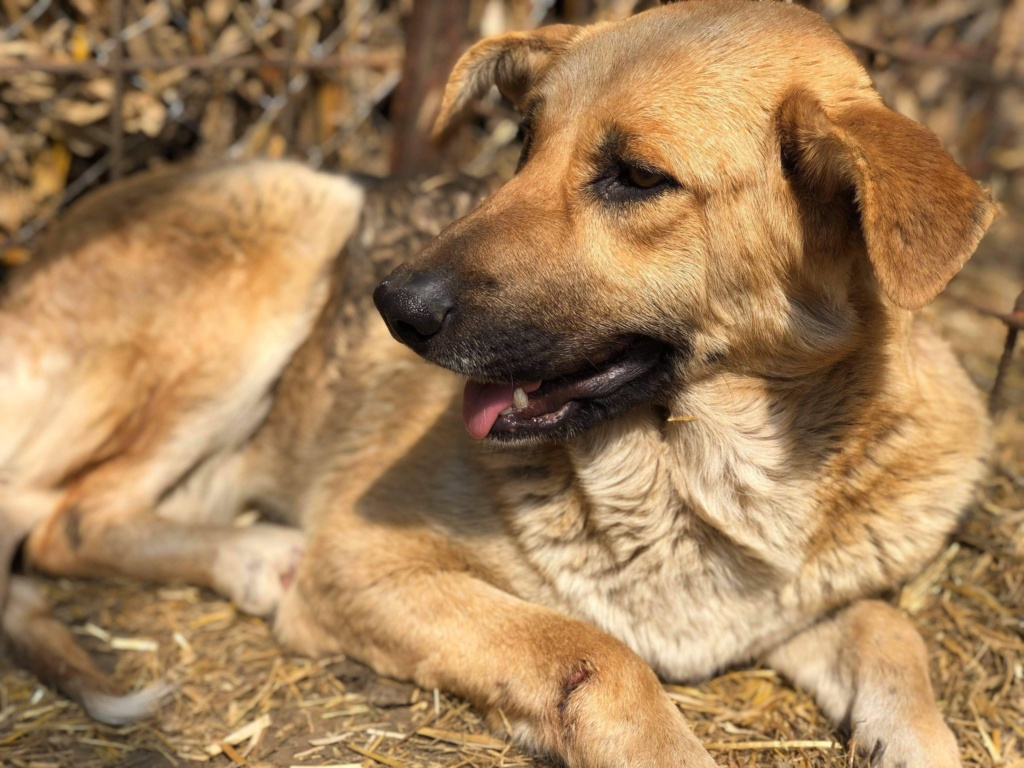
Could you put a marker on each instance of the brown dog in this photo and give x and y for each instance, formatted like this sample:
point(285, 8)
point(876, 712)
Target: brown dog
point(704, 425)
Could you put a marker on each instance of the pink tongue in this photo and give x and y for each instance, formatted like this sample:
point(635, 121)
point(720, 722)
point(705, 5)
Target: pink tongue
point(483, 403)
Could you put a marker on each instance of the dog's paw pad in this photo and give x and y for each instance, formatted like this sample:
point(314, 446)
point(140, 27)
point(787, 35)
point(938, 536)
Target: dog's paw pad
point(256, 565)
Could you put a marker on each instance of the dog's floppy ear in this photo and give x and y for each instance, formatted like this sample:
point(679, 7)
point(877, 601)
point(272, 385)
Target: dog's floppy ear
point(512, 61)
point(922, 215)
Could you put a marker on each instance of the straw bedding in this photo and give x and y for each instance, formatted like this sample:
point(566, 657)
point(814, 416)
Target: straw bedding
point(240, 699)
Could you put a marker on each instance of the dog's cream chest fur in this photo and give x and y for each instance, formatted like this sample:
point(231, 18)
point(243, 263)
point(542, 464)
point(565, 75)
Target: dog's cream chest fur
point(624, 547)
point(693, 542)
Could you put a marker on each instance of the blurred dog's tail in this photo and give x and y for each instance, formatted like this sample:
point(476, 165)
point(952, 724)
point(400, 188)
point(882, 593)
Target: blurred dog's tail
point(48, 649)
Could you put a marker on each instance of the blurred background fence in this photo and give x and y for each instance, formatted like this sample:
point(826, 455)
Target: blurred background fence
point(94, 89)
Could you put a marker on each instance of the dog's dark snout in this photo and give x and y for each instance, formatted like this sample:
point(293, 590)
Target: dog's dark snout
point(414, 304)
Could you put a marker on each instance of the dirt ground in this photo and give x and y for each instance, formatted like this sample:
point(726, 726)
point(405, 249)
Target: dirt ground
point(240, 699)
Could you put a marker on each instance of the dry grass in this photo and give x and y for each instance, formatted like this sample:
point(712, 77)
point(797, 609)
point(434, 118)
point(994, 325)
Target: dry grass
point(243, 700)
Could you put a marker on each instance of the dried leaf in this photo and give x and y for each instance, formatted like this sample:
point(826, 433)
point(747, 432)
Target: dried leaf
point(80, 45)
point(143, 114)
point(80, 112)
point(50, 172)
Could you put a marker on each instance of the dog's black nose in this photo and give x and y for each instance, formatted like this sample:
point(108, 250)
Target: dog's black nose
point(414, 304)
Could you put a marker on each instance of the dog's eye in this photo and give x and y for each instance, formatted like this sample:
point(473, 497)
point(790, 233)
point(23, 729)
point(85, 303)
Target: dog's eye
point(626, 182)
point(642, 178)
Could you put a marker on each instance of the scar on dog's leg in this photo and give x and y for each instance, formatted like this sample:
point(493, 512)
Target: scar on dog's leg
point(562, 685)
point(46, 647)
point(868, 668)
point(252, 566)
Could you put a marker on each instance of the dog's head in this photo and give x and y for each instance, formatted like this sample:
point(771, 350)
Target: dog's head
point(710, 185)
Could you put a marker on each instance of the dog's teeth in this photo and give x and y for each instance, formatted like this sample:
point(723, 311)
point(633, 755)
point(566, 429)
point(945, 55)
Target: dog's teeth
point(507, 411)
point(520, 398)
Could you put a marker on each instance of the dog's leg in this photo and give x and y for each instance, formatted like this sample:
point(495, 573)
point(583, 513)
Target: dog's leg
point(251, 566)
point(564, 686)
point(92, 533)
point(46, 646)
point(20, 511)
point(868, 667)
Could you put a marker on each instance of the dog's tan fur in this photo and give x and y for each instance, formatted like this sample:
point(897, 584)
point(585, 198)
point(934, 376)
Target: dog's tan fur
point(184, 349)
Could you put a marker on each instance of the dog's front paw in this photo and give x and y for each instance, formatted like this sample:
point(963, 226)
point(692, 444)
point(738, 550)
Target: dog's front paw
point(256, 565)
point(927, 743)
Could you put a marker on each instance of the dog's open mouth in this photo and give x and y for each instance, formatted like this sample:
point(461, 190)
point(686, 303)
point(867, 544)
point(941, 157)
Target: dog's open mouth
point(545, 407)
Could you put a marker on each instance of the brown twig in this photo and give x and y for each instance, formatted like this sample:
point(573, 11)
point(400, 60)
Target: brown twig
point(1014, 319)
point(289, 116)
point(1014, 322)
point(370, 59)
point(971, 62)
point(917, 54)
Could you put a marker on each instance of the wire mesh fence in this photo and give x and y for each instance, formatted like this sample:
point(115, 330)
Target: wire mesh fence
point(94, 89)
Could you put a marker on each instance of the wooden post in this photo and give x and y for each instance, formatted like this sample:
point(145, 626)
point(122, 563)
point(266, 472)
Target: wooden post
point(435, 34)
